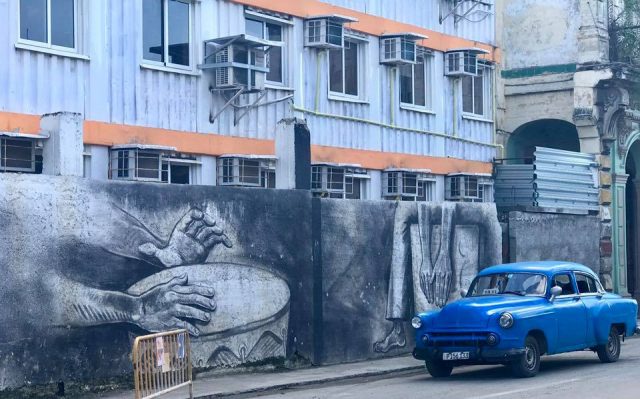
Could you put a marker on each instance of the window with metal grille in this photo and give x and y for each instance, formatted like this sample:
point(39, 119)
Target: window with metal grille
point(408, 186)
point(469, 188)
point(246, 172)
point(150, 165)
point(19, 155)
point(338, 182)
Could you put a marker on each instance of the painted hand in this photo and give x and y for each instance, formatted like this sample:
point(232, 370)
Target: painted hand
point(191, 241)
point(168, 306)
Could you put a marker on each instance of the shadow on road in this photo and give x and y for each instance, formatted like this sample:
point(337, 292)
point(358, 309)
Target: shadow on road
point(549, 365)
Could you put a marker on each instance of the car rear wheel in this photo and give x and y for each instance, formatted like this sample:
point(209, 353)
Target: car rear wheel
point(529, 364)
point(438, 368)
point(610, 352)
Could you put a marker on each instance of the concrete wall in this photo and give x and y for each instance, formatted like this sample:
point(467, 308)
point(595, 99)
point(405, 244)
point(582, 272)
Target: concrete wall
point(252, 274)
point(561, 237)
point(540, 32)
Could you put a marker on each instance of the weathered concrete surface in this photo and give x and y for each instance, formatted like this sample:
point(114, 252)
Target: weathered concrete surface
point(254, 275)
point(562, 237)
point(540, 32)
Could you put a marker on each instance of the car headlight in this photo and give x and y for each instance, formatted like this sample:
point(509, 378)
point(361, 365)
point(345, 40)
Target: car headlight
point(416, 322)
point(506, 320)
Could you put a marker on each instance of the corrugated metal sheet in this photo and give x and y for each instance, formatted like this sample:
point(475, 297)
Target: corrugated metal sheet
point(556, 179)
point(113, 87)
point(426, 13)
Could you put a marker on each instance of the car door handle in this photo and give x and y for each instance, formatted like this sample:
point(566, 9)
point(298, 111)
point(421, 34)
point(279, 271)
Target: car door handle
point(576, 299)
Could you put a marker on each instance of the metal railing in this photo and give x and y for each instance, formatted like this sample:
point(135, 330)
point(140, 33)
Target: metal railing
point(162, 364)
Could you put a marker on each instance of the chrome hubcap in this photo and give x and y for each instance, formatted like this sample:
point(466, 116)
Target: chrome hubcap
point(530, 357)
point(612, 345)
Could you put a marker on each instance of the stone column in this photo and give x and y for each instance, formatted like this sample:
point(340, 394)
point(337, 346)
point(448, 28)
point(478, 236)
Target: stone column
point(619, 248)
point(293, 149)
point(62, 151)
point(636, 241)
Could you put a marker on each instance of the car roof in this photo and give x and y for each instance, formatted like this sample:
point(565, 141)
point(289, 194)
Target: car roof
point(548, 268)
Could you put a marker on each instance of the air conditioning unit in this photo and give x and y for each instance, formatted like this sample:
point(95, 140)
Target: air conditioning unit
point(462, 62)
point(399, 48)
point(243, 69)
point(237, 62)
point(325, 31)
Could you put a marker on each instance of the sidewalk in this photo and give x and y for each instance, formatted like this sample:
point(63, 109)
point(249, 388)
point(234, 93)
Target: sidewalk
point(243, 384)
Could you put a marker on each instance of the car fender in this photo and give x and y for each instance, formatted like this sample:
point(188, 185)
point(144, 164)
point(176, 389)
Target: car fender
point(526, 320)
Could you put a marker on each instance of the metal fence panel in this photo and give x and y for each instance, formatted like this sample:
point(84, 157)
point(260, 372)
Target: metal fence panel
point(162, 364)
point(556, 178)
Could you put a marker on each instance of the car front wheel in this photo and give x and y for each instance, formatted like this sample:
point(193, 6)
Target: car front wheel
point(438, 368)
point(610, 352)
point(529, 364)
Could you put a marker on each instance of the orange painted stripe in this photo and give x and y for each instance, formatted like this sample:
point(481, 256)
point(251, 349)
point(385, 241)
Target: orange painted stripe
point(370, 24)
point(382, 160)
point(21, 123)
point(109, 134)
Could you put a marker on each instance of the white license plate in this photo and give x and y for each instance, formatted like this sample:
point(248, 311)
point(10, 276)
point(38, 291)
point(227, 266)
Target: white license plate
point(455, 356)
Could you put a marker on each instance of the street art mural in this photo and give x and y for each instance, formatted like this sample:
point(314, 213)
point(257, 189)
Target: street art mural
point(437, 251)
point(89, 266)
point(253, 275)
point(416, 257)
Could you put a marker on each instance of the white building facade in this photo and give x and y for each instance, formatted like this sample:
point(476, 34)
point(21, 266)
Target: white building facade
point(398, 96)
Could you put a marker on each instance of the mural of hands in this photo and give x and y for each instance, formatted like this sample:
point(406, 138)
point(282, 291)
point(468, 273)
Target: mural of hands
point(195, 235)
point(166, 306)
point(435, 281)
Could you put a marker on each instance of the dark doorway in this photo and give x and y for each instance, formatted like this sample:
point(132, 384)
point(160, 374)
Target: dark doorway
point(550, 133)
point(180, 174)
point(631, 202)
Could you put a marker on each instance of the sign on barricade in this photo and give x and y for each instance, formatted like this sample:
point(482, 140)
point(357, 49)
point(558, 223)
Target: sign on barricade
point(162, 364)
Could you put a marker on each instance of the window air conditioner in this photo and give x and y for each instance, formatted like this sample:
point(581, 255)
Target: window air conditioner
point(237, 62)
point(399, 49)
point(325, 31)
point(462, 62)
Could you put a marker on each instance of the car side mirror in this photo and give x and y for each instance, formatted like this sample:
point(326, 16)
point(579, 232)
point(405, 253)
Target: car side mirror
point(555, 291)
point(463, 293)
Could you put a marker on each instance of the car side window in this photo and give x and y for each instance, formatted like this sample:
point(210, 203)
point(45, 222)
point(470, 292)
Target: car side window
point(586, 284)
point(564, 281)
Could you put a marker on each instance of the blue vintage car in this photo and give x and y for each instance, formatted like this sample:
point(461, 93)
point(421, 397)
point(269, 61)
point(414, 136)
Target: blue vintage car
point(513, 314)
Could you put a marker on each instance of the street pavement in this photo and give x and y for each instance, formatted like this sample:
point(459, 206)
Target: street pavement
point(573, 375)
point(568, 376)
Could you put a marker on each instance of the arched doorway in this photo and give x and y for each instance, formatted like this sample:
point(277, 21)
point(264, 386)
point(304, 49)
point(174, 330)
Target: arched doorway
point(550, 133)
point(632, 216)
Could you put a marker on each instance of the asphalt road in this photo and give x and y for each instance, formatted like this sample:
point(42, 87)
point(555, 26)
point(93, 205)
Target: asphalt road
point(574, 375)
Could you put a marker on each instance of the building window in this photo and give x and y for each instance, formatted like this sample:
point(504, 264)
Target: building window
point(275, 56)
point(150, 165)
point(166, 35)
point(177, 171)
point(19, 155)
point(49, 22)
point(344, 66)
point(601, 12)
point(415, 82)
point(476, 93)
point(338, 182)
point(246, 172)
point(469, 188)
point(408, 186)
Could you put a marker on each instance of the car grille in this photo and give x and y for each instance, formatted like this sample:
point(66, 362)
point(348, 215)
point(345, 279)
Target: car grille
point(466, 339)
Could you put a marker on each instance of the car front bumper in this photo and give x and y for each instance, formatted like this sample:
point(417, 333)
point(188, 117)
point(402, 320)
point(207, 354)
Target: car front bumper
point(477, 355)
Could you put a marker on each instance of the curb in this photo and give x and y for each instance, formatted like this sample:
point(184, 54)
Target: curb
point(298, 384)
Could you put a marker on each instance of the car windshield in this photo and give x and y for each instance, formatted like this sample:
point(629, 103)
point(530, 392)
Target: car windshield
point(524, 284)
